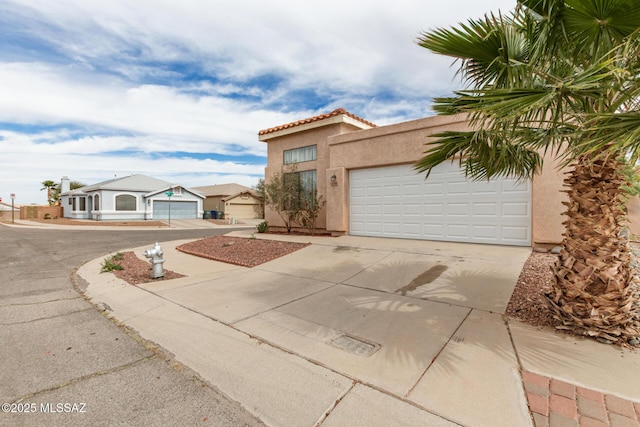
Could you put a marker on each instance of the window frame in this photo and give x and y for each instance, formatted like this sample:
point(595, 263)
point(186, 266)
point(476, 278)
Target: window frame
point(299, 155)
point(128, 196)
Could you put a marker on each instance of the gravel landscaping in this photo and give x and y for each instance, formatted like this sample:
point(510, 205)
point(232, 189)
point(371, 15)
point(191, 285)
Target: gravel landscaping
point(240, 251)
point(527, 301)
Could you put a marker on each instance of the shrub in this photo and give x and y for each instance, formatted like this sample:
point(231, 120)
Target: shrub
point(262, 227)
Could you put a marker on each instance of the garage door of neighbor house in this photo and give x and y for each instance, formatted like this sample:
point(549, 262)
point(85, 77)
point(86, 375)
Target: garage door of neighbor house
point(179, 210)
point(241, 211)
point(394, 201)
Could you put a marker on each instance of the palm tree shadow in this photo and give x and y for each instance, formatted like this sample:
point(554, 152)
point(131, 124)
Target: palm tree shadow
point(431, 322)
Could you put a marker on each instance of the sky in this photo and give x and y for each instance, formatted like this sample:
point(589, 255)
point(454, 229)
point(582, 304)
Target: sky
point(178, 90)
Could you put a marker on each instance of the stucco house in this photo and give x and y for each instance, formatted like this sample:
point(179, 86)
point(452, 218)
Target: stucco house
point(366, 174)
point(234, 200)
point(134, 197)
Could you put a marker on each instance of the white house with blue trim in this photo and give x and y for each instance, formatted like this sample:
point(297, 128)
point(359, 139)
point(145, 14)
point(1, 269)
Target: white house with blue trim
point(134, 197)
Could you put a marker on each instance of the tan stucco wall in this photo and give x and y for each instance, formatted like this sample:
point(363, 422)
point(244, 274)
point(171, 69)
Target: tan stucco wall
point(341, 149)
point(212, 203)
point(318, 136)
point(633, 215)
point(547, 197)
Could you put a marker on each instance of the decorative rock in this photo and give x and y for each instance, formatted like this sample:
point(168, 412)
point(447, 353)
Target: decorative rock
point(556, 250)
point(225, 244)
point(541, 250)
point(102, 306)
point(634, 341)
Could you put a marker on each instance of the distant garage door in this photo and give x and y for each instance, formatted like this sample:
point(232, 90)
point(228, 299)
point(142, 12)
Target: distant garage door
point(241, 211)
point(394, 201)
point(179, 210)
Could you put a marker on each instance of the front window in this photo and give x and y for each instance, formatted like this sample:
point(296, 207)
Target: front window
point(298, 155)
point(83, 203)
point(301, 185)
point(96, 203)
point(125, 202)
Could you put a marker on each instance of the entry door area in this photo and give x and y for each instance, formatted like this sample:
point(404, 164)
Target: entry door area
point(394, 201)
point(179, 210)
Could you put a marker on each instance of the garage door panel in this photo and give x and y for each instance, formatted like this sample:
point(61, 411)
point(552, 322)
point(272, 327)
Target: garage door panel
point(515, 233)
point(434, 209)
point(411, 209)
point(485, 209)
point(400, 203)
point(395, 209)
point(179, 210)
point(433, 189)
point(485, 232)
point(515, 209)
point(373, 210)
point(357, 192)
point(458, 189)
point(392, 228)
point(412, 190)
point(458, 209)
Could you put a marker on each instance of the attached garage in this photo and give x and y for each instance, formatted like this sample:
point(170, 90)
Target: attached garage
point(394, 201)
point(179, 209)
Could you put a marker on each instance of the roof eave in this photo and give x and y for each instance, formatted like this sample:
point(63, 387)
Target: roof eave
point(341, 118)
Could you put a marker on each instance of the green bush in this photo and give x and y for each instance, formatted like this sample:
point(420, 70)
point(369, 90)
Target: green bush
point(262, 227)
point(47, 216)
point(110, 264)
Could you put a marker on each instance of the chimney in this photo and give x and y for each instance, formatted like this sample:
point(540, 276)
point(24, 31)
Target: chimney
point(65, 185)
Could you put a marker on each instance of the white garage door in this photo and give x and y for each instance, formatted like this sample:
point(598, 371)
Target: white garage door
point(394, 201)
point(179, 210)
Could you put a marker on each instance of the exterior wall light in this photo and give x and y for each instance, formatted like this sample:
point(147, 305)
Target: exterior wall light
point(334, 180)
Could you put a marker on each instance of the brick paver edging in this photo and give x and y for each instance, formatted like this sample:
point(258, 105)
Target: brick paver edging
point(556, 403)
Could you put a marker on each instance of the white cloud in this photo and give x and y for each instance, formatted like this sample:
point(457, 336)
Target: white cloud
point(107, 76)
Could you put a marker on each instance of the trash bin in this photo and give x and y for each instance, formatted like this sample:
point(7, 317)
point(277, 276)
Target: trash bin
point(206, 215)
point(213, 214)
point(219, 214)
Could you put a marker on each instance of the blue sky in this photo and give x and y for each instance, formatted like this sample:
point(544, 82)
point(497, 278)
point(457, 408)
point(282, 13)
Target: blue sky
point(179, 90)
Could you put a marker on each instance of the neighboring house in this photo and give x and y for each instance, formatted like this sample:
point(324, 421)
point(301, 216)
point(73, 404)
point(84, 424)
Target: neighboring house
point(135, 197)
point(366, 174)
point(234, 200)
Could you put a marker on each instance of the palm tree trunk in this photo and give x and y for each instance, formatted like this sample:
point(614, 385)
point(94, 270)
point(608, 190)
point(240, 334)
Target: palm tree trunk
point(596, 291)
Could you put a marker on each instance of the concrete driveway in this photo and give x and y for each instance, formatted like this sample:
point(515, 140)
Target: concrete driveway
point(366, 327)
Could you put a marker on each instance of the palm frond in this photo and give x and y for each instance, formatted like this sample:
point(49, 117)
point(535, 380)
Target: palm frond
point(482, 155)
point(491, 50)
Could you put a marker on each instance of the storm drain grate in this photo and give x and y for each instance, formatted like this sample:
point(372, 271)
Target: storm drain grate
point(354, 345)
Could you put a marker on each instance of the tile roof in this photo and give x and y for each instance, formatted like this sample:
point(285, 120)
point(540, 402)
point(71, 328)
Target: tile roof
point(334, 113)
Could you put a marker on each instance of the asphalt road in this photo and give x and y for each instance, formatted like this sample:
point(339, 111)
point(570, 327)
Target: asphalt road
point(65, 363)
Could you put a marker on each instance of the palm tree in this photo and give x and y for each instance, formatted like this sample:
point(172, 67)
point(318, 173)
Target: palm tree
point(52, 191)
point(560, 76)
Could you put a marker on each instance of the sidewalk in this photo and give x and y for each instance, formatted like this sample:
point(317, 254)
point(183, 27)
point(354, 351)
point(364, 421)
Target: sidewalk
point(323, 337)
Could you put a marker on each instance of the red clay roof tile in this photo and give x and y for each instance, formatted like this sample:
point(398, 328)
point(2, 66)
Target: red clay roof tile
point(334, 113)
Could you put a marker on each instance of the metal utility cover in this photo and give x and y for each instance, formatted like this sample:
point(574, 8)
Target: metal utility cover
point(354, 345)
